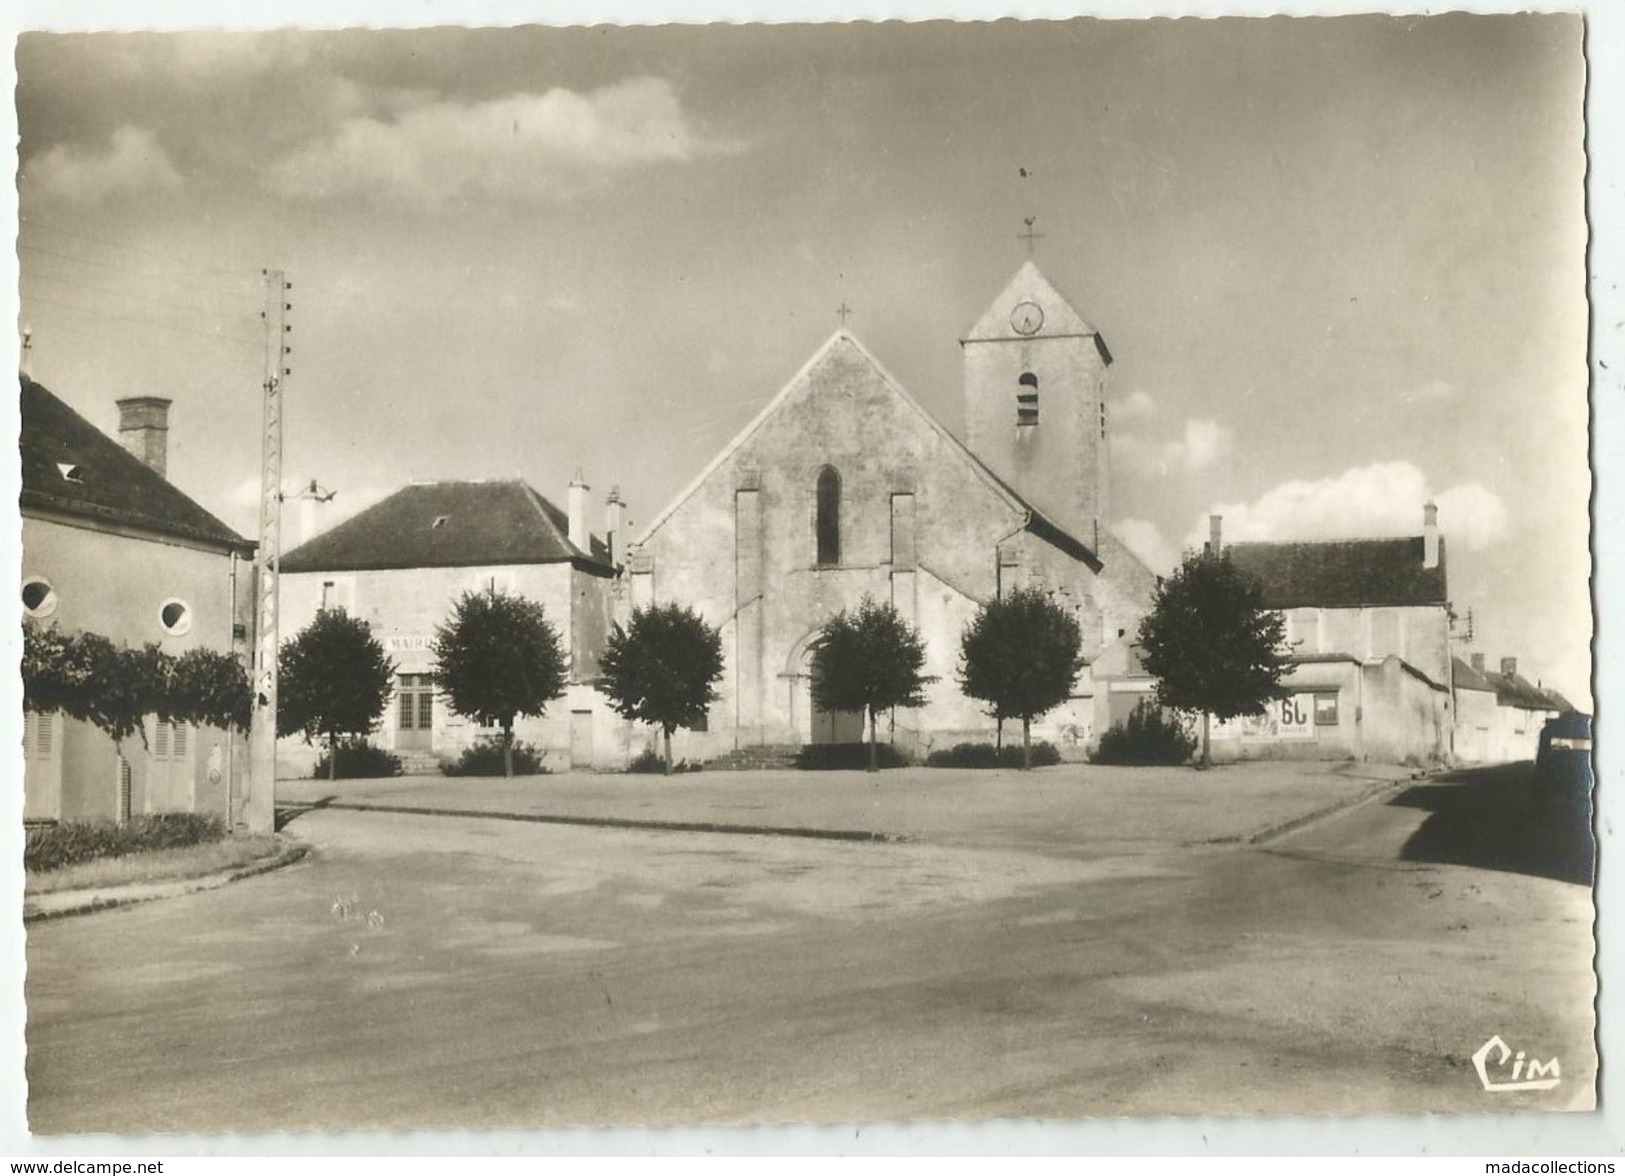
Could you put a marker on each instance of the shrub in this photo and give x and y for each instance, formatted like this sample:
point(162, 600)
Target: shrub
point(842, 757)
point(359, 760)
point(1151, 735)
point(484, 758)
point(985, 755)
point(650, 762)
point(51, 847)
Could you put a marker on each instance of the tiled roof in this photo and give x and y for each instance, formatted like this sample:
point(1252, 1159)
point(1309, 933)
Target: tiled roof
point(1559, 703)
point(1343, 573)
point(1516, 690)
point(1510, 689)
point(69, 466)
point(449, 525)
point(1467, 678)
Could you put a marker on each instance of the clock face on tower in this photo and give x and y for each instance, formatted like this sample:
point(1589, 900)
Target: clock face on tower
point(1026, 318)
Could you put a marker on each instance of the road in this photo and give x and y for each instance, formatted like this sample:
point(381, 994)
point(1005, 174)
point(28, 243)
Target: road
point(421, 971)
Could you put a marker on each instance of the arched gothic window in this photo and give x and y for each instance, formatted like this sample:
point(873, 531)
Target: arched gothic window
point(827, 526)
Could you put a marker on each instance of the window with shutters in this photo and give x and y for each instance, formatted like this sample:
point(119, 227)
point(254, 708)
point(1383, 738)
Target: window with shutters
point(171, 742)
point(39, 735)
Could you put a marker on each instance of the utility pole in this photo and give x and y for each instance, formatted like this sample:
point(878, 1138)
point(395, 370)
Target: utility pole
point(259, 799)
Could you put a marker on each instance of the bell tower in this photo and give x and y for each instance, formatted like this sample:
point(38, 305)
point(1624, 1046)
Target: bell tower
point(1035, 408)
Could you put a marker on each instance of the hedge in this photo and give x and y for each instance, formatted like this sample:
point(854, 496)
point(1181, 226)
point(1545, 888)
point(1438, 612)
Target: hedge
point(50, 847)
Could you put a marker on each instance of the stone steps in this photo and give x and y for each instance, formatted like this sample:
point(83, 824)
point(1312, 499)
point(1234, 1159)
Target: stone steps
point(755, 759)
point(419, 763)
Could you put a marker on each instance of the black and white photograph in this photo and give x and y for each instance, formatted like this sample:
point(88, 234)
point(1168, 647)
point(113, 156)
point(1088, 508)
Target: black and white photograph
point(695, 575)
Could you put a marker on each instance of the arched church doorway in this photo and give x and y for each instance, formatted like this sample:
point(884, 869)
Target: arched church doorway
point(813, 724)
point(833, 726)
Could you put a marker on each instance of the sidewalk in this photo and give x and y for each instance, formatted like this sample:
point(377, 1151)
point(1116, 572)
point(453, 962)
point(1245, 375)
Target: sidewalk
point(60, 903)
point(1066, 809)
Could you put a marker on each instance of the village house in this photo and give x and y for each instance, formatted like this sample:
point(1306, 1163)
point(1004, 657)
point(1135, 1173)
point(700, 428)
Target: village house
point(401, 565)
point(844, 486)
point(1499, 714)
point(1368, 630)
point(110, 546)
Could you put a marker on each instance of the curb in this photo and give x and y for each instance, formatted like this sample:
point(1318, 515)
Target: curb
point(1292, 825)
point(626, 823)
point(72, 902)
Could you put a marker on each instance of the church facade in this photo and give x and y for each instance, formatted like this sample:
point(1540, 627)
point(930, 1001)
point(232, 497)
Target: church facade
point(844, 486)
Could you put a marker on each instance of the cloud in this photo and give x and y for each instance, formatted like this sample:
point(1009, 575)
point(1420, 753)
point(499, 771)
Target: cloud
point(1137, 405)
point(1367, 501)
point(1202, 445)
point(1146, 540)
point(519, 147)
point(134, 162)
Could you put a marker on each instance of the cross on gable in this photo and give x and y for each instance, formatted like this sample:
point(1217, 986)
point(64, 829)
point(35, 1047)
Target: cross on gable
point(1030, 235)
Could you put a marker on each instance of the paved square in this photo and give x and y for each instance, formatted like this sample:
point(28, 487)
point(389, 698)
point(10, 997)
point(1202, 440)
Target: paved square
point(1061, 945)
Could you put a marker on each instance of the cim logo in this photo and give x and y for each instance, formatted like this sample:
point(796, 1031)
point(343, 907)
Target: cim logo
point(1530, 1075)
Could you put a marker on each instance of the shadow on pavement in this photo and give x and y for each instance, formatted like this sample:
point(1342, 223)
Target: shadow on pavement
point(289, 813)
point(1494, 818)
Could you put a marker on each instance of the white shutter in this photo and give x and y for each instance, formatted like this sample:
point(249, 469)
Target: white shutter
point(160, 740)
point(178, 744)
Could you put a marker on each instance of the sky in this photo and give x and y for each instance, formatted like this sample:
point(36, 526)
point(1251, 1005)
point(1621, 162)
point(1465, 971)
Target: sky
point(1339, 262)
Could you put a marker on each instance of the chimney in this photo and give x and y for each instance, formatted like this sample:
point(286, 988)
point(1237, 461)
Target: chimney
point(143, 429)
point(1215, 542)
point(1509, 666)
point(614, 522)
point(578, 513)
point(1478, 662)
point(1430, 536)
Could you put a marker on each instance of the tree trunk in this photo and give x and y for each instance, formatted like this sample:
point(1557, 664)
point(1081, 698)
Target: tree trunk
point(1207, 761)
point(998, 732)
point(507, 748)
point(667, 732)
point(332, 756)
point(874, 764)
point(1026, 744)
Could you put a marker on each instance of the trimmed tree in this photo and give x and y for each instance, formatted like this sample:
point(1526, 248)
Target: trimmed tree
point(498, 657)
point(333, 679)
point(1212, 644)
point(85, 676)
point(662, 668)
point(1021, 654)
point(868, 659)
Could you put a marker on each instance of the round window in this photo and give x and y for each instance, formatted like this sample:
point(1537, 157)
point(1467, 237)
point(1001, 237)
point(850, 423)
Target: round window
point(39, 598)
point(176, 617)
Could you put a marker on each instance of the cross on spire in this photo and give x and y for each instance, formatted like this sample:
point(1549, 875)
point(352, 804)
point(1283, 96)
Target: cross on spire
point(843, 310)
point(1030, 235)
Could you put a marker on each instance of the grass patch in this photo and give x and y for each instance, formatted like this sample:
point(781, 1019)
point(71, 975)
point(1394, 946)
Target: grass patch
point(156, 865)
point(50, 847)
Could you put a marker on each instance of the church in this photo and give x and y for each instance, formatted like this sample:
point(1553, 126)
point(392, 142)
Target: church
point(844, 486)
